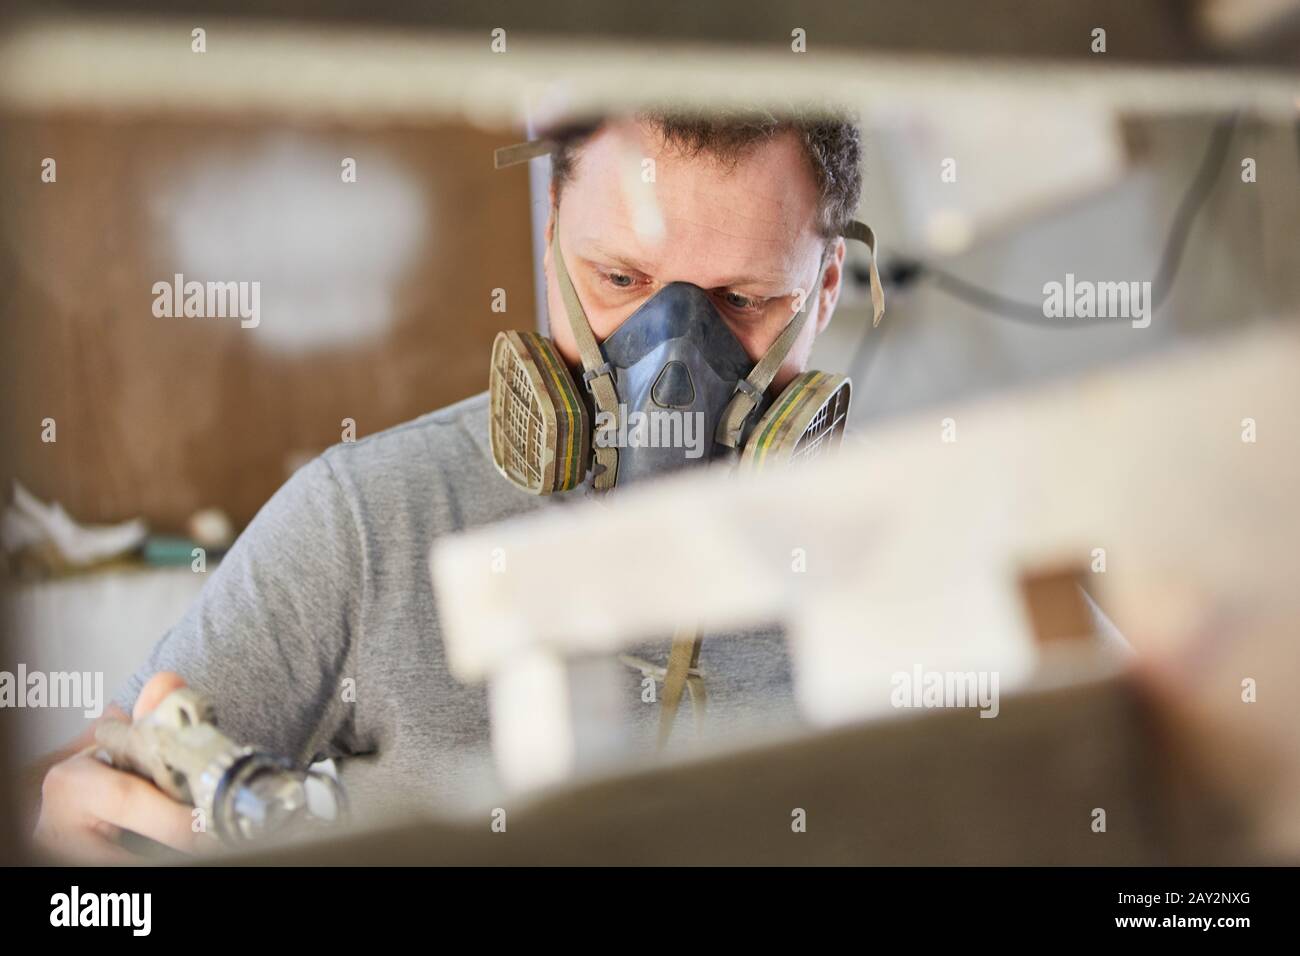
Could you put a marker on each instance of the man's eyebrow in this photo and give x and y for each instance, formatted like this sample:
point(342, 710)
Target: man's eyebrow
point(595, 250)
point(767, 282)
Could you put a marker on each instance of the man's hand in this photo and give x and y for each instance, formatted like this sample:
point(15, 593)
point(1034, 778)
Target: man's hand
point(86, 804)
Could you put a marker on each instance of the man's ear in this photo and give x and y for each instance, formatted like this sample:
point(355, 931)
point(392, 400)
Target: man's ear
point(554, 197)
point(550, 232)
point(832, 279)
point(548, 327)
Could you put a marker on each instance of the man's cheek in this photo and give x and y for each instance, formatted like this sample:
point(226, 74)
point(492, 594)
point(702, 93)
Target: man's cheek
point(557, 325)
point(792, 366)
point(797, 361)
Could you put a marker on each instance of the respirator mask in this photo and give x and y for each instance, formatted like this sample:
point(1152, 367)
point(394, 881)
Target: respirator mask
point(670, 388)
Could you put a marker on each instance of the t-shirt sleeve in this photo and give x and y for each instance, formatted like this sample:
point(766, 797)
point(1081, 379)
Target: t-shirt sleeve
point(271, 637)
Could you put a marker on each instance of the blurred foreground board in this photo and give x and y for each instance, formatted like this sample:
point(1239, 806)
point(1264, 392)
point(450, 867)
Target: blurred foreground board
point(945, 788)
point(590, 58)
point(1168, 486)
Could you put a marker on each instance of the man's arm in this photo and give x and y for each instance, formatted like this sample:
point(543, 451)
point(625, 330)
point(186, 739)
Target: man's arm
point(268, 641)
point(273, 633)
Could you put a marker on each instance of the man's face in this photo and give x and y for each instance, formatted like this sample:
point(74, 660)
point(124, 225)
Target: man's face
point(747, 234)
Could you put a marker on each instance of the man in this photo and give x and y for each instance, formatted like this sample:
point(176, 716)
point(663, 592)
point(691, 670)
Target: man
point(330, 583)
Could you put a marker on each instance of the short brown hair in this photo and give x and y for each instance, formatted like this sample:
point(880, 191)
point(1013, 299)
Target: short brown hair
point(831, 142)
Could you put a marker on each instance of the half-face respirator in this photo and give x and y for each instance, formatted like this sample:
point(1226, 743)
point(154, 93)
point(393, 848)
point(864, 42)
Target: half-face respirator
point(670, 387)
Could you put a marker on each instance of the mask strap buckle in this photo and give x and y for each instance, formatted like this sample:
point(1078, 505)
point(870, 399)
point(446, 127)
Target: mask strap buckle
point(605, 368)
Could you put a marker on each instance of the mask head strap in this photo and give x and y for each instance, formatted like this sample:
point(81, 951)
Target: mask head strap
point(750, 391)
point(521, 152)
point(598, 374)
point(862, 232)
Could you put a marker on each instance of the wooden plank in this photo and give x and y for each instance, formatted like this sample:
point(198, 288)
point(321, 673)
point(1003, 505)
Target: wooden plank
point(915, 546)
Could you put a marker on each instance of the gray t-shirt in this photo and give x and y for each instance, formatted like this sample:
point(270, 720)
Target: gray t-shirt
point(317, 636)
point(330, 583)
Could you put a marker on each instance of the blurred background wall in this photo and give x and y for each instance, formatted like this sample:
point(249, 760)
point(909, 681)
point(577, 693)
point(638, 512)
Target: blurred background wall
point(376, 297)
point(377, 294)
point(1158, 192)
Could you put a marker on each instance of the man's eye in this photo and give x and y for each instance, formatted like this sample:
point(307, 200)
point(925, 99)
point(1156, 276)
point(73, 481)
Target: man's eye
point(738, 301)
point(619, 280)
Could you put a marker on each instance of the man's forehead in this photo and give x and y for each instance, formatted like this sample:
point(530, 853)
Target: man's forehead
point(633, 196)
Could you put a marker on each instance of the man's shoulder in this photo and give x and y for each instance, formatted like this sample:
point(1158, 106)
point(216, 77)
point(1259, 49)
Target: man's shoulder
point(439, 463)
point(458, 430)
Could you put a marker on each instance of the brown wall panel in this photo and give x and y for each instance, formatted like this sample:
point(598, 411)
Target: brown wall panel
point(162, 416)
